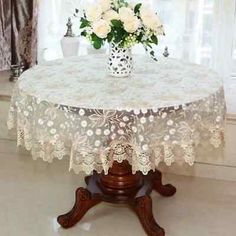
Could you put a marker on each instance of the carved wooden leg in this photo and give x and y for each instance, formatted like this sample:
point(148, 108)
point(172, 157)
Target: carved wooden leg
point(167, 190)
point(143, 208)
point(83, 202)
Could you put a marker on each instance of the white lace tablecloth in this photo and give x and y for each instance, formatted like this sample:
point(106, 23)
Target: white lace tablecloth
point(161, 113)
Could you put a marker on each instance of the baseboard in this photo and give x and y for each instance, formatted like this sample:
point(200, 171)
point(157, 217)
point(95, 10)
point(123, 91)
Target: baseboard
point(231, 118)
point(203, 170)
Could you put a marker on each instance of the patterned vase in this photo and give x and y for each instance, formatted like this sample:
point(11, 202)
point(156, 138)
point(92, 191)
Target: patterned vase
point(120, 62)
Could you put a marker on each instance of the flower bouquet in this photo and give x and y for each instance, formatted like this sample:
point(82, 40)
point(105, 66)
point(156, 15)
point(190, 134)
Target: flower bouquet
point(122, 25)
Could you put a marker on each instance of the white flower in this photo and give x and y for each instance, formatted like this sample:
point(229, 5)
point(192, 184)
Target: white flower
point(170, 122)
point(84, 123)
point(89, 132)
point(167, 137)
point(160, 31)
point(143, 120)
point(93, 12)
point(172, 131)
point(141, 138)
point(151, 23)
point(53, 131)
point(125, 118)
point(125, 13)
point(62, 126)
point(40, 121)
point(131, 24)
point(164, 115)
point(218, 118)
point(81, 112)
point(120, 131)
point(134, 129)
point(101, 28)
point(144, 111)
point(107, 132)
point(151, 20)
point(105, 4)
point(136, 112)
point(97, 143)
point(151, 118)
point(50, 123)
point(98, 131)
point(145, 11)
point(111, 15)
point(122, 124)
point(132, 4)
point(26, 113)
point(145, 147)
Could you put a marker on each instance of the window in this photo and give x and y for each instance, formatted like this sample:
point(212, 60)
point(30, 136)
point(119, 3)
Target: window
point(200, 31)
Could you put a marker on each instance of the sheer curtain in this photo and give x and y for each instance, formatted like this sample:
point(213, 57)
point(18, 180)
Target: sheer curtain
point(199, 31)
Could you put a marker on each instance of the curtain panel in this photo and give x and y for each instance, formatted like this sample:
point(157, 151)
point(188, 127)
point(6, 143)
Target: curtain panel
point(18, 33)
point(5, 34)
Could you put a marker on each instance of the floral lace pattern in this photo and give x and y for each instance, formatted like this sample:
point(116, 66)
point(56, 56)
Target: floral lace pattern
point(161, 113)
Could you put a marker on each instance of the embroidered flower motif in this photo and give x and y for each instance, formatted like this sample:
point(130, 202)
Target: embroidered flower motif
point(50, 123)
point(87, 135)
point(84, 123)
point(170, 122)
point(143, 120)
point(81, 112)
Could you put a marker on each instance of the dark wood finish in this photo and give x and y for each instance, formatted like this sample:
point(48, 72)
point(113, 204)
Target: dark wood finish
point(84, 200)
point(120, 186)
point(143, 208)
point(167, 190)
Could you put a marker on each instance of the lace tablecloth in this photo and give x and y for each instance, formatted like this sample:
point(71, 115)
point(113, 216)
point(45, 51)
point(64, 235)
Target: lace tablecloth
point(161, 113)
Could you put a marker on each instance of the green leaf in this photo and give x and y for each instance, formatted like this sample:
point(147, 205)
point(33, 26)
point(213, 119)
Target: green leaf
point(84, 23)
point(137, 8)
point(139, 37)
point(120, 34)
point(154, 39)
point(148, 44)
point(109, 37)
point(117, 23)
point(84, 33)
point(97, 42)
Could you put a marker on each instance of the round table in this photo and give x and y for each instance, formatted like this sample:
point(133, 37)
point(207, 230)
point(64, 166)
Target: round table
point(118, 130)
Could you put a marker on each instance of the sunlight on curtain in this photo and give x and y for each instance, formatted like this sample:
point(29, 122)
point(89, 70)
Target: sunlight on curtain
point(199, 31)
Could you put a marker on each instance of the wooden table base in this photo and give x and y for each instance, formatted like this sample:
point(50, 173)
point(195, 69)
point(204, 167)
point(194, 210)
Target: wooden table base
point(120, 186)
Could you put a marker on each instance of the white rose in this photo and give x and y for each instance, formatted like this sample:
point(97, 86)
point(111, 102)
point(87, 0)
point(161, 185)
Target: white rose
point(150, 19)
point(132, 4)
point(152, 23)
point(111, 15)
point(132, 24)
point(93, 12)
point(125, 13)
point(160, 31)
point(158, 21)
point(101, 28)
point(146, 11)
point(105, 4)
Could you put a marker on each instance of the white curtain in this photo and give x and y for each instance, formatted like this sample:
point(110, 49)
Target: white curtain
point(199, 31)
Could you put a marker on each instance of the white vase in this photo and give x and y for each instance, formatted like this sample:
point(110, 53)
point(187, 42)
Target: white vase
point(70, 46)
point(120, 63)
